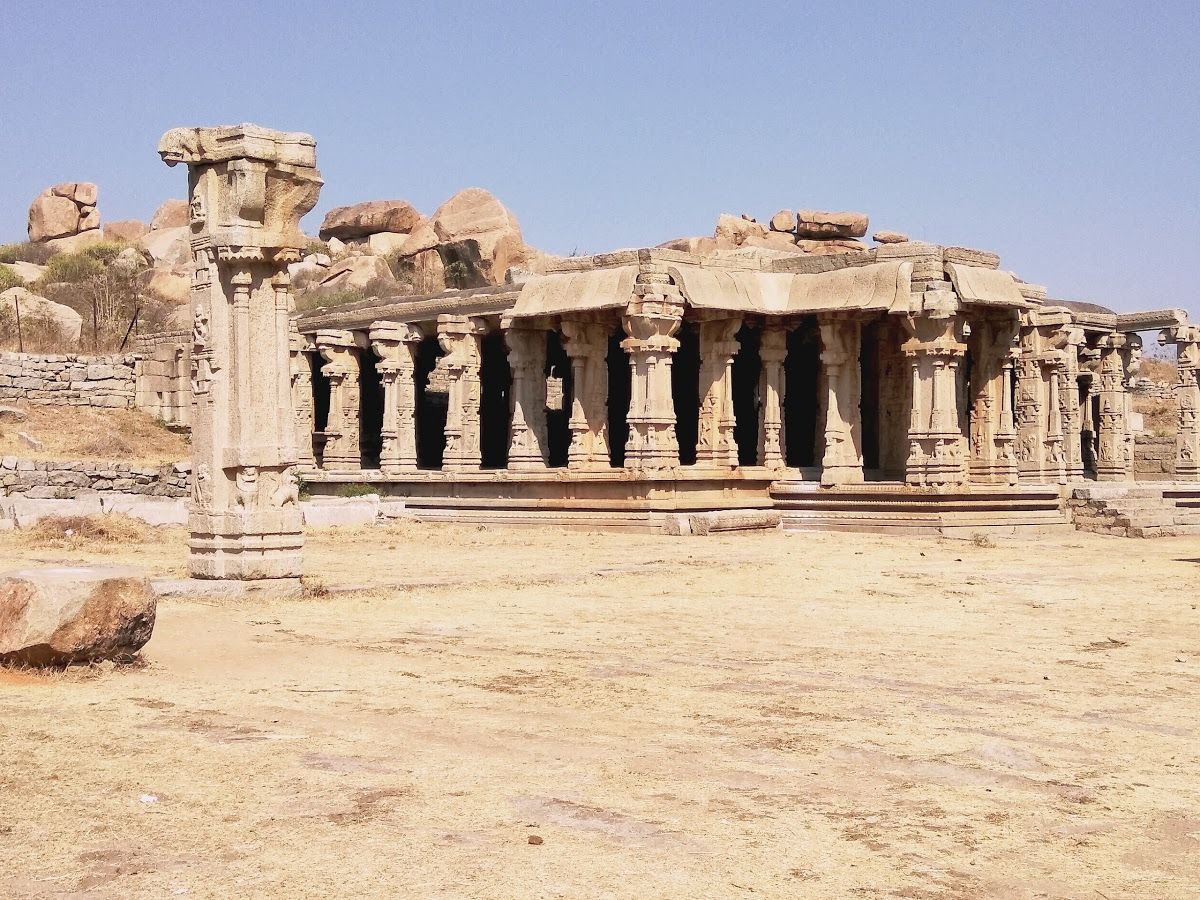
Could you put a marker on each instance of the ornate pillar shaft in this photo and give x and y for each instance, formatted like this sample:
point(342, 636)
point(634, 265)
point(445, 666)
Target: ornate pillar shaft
point(993, 460)
point(937, 446)
point(248, 189)
point(1186, 339)
point(715, 445)
point(459, 337)
point(772, 452)
point(586, 344)
point(651, 321)
point(396, 345)
point(529, 439)
point(302, 397)
point(840, 339)
point(1111, 461)
point(342, 452)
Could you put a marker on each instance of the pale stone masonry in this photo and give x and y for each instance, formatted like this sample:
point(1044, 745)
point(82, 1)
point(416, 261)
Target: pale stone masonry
point(248, 187)
point(65, 479)
point(69, 380)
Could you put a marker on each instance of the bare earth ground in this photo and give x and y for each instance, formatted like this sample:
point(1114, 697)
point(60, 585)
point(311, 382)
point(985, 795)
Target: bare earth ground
point(776, 715)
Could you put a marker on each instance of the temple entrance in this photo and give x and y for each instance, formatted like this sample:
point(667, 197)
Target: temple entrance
point(685, 392)
point(558, 408)
point(495, 413)
point(320, 394)
point(801, 371)
point(620, 391)
point(431, 408)
point(370, 409)
point(747, 372)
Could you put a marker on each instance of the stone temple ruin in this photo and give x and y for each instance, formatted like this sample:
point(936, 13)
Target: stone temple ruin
point(910, 385)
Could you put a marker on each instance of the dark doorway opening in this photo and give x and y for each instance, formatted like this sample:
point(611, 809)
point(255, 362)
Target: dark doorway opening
point(685, 392)
point(320, 397)
point(495, 392)
point(747, 372)
point(868, 402)
point(801, 370)
point(558, 420)
point(620, 386)
point(431, 408)
point(370, 410)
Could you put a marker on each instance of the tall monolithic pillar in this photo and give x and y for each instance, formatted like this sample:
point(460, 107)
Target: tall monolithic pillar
point(586, 343)
point(715, 445)
point(301, 348)
point(1070, 342)
point(396, 344)
point(937, 454)
point(342, 451)
point(772, 451)
point(841, 336)
point(1186, 339)
point(248, 189)
point(1112, 462)
point(459, 337)
point(529, 448)
point(651, 321)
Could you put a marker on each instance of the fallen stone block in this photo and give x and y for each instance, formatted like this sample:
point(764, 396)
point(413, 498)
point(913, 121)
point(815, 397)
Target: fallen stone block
point(324, 512)
point(151, 510)
point(27, 511)
point(59, 616)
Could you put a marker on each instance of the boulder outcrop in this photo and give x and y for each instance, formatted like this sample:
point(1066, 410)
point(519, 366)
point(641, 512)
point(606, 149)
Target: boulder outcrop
point(356, 272)
point(65, 615)
point(373, 217)
point(64, 210)
point(476, 215)
point(818, 224)
point(172, 214)
point(126, 230)
point(890, 237)
point(30, 305)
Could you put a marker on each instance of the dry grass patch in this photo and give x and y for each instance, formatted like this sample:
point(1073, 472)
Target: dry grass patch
point(96, 533)
point(79, 432)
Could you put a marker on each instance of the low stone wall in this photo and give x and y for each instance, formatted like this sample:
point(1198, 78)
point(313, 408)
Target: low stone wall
point(65, 479)
point(1154, 457)
point(164, 387)
point(68, 380)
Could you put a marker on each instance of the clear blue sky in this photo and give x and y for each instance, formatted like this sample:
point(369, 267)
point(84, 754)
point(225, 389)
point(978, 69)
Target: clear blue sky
point(1065, 136)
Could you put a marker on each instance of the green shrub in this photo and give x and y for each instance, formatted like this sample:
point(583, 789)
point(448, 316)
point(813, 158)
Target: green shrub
point(9, 279)
point(71, 268)
point(355, 490)
point(38, 254)
point(104, 252)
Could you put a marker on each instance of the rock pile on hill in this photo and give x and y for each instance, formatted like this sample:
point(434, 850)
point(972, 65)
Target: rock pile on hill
point(808, 232)
point(66, 215)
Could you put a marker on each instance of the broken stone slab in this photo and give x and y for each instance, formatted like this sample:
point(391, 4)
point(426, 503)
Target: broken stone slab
point(720, 520)
point(226, 588)
point(326, 512)
point(11, 414)
point(151, 510)
point(57, 616)
point(28, 511)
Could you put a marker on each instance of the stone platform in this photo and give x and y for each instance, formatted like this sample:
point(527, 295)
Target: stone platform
point(896, 508)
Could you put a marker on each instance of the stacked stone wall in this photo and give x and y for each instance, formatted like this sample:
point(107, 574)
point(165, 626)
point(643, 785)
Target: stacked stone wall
point(1154, 457)
point(65, 479)
point(68, 380)
point(163, 382)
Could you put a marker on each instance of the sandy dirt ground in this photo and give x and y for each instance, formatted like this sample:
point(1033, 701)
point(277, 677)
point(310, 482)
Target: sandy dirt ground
point(783, 715)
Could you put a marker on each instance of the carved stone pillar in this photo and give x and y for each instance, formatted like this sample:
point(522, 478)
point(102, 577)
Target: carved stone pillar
point(651, 321)
point(529, 449)
point(248, 189)
point(459, 337)
point(772, 452)
point(1186, 339)
point(1111, 459)
point(586, 343)
point(342, 452)
point(395, 344)
point(937, 447)
point(1070, 341)
point(992, 457)
point(716, 445)
point(840, 339)
point(301, 348)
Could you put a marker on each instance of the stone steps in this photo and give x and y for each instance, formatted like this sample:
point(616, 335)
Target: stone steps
point(1136, 510)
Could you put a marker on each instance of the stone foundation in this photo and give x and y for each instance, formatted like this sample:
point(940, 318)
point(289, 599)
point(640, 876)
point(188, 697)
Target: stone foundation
point(68, 380)
point(1143, 511)
point(1154, 457)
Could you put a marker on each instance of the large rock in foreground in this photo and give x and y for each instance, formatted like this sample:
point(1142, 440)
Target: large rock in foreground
point(373, 217)
point(61, 616)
